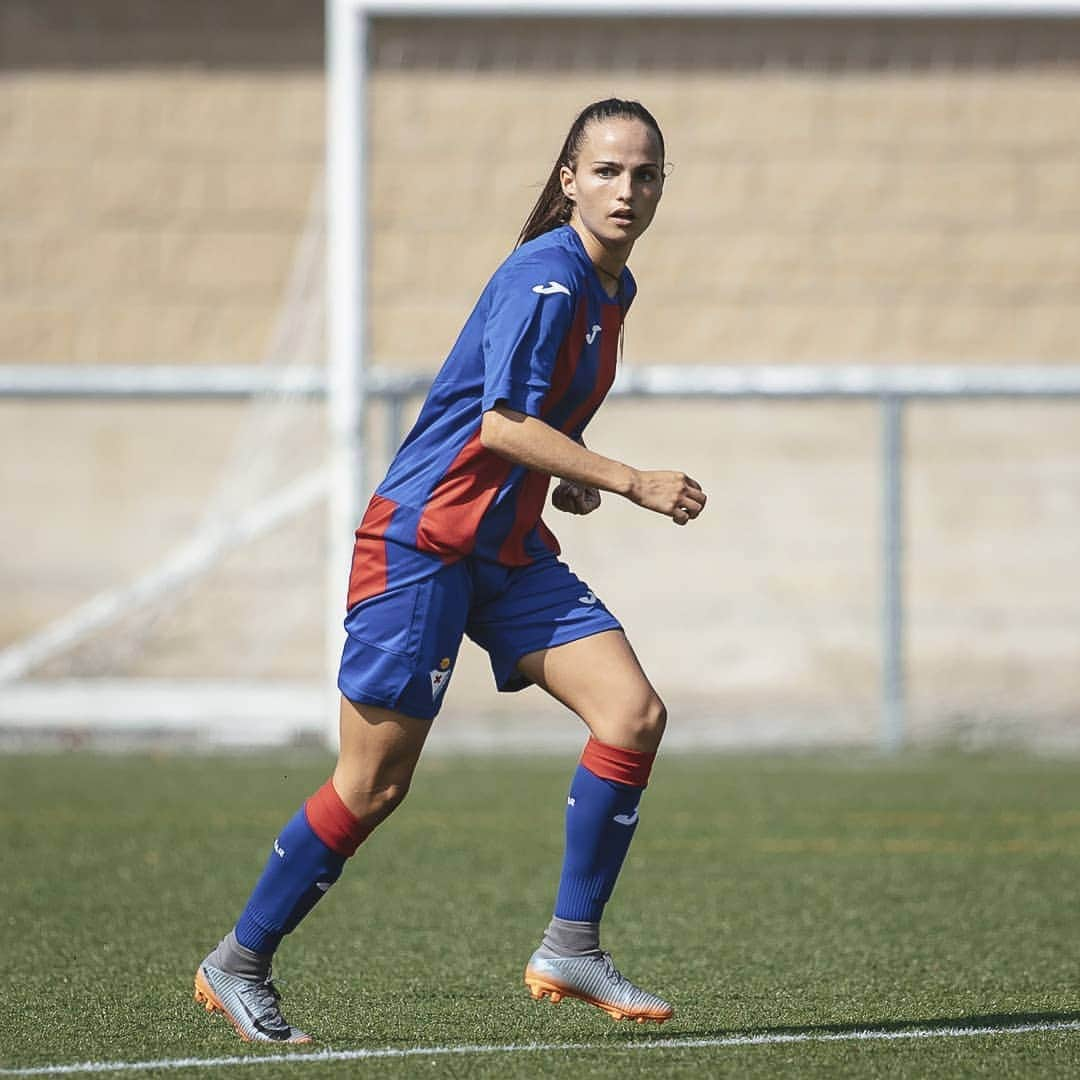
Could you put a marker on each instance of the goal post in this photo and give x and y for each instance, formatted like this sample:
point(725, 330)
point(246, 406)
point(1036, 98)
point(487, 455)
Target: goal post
point(346, 253)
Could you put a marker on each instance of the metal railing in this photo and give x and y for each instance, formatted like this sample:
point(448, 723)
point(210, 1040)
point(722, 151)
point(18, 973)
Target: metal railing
point(890, 387)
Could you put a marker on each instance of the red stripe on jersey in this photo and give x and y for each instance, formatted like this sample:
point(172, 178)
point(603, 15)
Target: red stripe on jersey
point(567, 361)
point(616, 763)
point(611, 323)
point(534, 488)
point(453, 513)
point(527, 510)
point(548, 538)
point(368, 574)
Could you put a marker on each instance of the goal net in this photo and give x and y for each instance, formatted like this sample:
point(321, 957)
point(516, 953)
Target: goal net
point(845, 190)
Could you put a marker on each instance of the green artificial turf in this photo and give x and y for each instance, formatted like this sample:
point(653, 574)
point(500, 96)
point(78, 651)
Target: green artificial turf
point(762, 896)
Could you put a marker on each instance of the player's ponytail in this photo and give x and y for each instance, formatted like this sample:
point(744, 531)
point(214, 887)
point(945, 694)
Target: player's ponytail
point(553, 208)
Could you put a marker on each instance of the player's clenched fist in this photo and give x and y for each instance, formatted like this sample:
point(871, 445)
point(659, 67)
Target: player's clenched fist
point(673, 494)
point(575, 498)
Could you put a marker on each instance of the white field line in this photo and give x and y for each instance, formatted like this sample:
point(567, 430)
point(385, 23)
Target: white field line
point(326, 1056)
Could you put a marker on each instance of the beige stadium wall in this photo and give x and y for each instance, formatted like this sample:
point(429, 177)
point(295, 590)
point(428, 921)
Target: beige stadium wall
point(843, 191)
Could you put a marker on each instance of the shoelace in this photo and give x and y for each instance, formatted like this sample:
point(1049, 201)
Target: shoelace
point(613, 973)
point(264, 997)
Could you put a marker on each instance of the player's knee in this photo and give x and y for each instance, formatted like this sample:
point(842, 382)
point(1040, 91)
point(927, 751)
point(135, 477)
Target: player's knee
point(655, 721)
point(385, 800)
point(377, 804)
point(642, 726)
point(369, 802)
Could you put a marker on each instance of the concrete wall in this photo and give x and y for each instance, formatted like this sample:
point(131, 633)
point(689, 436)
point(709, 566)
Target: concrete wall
point(156, 165)
point(850, 190)
point(843, 191)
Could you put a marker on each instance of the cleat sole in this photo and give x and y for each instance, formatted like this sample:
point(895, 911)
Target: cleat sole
point(541, 987)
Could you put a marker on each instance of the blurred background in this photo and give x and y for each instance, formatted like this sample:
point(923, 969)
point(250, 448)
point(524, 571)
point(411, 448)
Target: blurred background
point(848, 190)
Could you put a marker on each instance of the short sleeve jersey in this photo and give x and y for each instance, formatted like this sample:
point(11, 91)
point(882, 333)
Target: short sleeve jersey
point(543, 340)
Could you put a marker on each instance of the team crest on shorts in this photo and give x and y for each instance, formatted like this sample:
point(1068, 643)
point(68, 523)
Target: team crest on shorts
point(440, 676)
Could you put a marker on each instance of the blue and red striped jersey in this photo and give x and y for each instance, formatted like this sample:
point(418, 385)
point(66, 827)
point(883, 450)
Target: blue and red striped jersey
point(542, 339)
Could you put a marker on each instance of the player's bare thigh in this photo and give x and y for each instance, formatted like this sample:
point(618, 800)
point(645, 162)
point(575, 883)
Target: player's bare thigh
point(600, 679)
point(378, 752)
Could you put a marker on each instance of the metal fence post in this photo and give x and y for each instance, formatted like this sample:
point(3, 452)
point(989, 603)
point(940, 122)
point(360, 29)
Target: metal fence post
point(892, 565)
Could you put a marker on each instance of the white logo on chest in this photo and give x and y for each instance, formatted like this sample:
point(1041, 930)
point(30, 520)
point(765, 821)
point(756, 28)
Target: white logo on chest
point(590, 337)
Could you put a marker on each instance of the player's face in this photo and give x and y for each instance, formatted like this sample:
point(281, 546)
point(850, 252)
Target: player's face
point(618, 181)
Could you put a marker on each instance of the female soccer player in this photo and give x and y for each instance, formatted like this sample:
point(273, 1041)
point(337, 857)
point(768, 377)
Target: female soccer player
point(452, 543)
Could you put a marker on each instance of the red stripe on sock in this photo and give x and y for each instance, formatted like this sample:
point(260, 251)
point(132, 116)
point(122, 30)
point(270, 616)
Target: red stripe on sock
point(333, 822)
point(631, 767)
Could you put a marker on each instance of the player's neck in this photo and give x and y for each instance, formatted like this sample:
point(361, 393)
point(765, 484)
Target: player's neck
point(608, 261)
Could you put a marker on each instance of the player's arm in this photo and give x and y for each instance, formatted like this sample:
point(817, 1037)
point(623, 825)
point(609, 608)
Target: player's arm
point(526, 440)
point(574, 498)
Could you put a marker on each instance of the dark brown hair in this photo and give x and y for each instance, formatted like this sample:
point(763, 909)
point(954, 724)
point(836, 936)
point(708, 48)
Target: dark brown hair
point(553, 208)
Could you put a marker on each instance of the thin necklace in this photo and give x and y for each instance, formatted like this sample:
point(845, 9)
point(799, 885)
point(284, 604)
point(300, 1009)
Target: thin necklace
point(617, 278)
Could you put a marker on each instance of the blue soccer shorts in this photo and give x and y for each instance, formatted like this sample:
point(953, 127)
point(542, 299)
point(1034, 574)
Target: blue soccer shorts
point(403, 642)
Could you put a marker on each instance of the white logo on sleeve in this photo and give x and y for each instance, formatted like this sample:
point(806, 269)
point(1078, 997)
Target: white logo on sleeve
point(571, 801)
point(588, 598)
point(591, 336)
point(550, 289)
point(440, 676)
point(279, 851)
point(627, 819)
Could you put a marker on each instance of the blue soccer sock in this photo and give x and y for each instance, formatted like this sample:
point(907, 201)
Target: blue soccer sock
point(601, 819)
point(308, 857)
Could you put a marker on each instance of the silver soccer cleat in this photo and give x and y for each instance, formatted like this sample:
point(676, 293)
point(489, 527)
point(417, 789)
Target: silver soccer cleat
point(595, 979)
point(251, 1007)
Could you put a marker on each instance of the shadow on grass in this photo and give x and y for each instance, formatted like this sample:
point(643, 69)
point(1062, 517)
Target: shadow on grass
point(974, 1022)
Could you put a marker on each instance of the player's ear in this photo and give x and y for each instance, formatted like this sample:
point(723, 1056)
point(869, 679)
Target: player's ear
point(566, 179)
